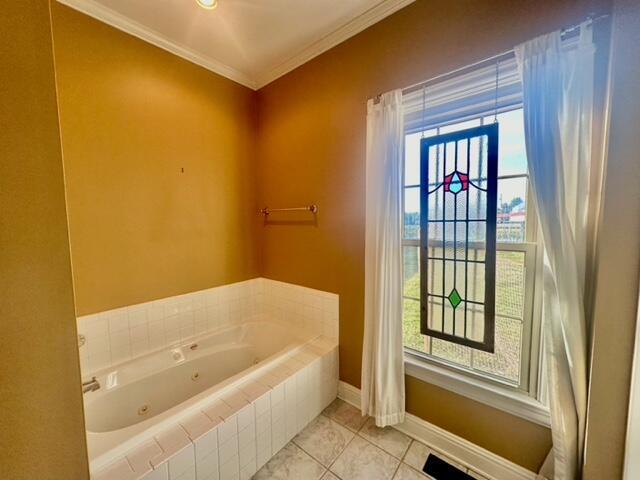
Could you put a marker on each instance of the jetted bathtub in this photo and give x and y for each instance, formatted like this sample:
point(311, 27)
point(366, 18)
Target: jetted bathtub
point(141, 397)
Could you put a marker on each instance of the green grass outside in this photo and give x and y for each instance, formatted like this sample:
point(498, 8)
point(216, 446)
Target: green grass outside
point(510, 281)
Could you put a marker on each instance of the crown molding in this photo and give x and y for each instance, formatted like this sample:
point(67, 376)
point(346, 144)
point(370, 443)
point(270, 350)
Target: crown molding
point(348, 30)
point(125, 24)
point(116, 20)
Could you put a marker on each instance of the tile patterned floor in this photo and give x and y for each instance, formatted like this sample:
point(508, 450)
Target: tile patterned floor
point(340, 444)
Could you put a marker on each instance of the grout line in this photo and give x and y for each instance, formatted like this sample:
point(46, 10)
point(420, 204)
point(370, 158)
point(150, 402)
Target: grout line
point(338, 455)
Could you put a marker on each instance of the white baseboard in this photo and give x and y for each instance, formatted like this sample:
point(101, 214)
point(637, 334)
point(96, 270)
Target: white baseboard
point(479, 459)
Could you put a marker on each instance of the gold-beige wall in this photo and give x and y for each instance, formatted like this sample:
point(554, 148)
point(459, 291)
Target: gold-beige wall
point(312, 149)
point(618, 269)
point(133, 117)
point(159, 160)
point(41, 422)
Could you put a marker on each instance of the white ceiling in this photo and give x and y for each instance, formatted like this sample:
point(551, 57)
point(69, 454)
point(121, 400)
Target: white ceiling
point(250, 41)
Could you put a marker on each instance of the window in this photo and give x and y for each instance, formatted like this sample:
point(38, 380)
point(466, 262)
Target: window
point(508, 356)
point(458, 187)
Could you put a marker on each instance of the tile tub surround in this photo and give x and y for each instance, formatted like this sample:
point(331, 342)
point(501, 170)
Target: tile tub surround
point(242, 428)
point(115, 336)
point(329, 448)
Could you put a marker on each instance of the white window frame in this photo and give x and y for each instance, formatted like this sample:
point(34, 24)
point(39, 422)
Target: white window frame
point(523, 400)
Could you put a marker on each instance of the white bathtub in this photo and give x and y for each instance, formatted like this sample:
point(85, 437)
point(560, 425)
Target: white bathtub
point(140, 398)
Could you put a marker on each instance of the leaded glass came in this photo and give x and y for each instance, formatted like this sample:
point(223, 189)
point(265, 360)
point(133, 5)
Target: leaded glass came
point(458, 207)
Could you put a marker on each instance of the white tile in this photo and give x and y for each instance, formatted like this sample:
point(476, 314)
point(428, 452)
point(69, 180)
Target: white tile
point(188, 475)
point(235, 400)
point(97, 346)
point(277, 394)
point(246, 417)
point(228, 450)
point(139, 333)
point(263, 422)
point(263, 441)
point(227, 429)
point(213, 317)
point(248, 470)
point(171, 307)
point(119, 339)
point(155, 312)
point(200, 327)
point(172, 441)
point(246, 436)
point(160, 473)
point(84, 365)
point(276, 377)
point(93, 326)
point(197, 425)
point(277, 411)
point(269, 379)
point(118, 320)
point(140, 457)
point(230, 470)
point(120, 354)
point(303, 413)
point(263, 404)
point(218, 411)
point(263, 456)
point(137, 316)
point(207, 445)
point(207, 467)
point(155, 328)
point(211, 297)
point(182, 463)
point(247, 453)
point(291, 406)
point(252, 390)
point(99, 361)
point(187, 332)
point(198, 299)
point(118, 470)
point(140, 348)
point(278, 435)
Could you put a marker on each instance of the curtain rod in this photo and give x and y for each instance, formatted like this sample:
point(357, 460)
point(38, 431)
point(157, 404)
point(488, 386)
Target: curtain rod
point(565, 32)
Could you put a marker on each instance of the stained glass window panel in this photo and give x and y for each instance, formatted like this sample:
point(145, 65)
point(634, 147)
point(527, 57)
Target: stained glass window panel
point(458, 197)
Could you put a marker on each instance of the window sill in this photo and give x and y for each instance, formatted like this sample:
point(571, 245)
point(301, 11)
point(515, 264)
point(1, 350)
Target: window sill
point(504, 399)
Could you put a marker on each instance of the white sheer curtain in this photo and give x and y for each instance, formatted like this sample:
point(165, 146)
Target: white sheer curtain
point(558, 100)
point(383, 394)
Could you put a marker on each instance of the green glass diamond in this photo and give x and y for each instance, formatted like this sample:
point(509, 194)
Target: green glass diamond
point(454, 298)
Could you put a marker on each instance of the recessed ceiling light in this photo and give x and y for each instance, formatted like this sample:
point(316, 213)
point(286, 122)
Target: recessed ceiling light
point(208, 4)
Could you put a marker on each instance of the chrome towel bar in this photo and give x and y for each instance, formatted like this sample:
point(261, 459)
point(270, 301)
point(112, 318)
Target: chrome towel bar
point(311, 208)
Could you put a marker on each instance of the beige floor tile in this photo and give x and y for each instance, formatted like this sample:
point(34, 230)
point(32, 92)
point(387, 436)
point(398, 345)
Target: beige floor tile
point(405, 472)
point(345, 414)
point(290, 463)
point(418, 453)
point(362, 460)
point(329, 476)
point(324, 439)
point(389, 439)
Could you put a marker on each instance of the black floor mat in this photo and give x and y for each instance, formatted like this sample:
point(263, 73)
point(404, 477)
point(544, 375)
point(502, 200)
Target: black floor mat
point(441, 470)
